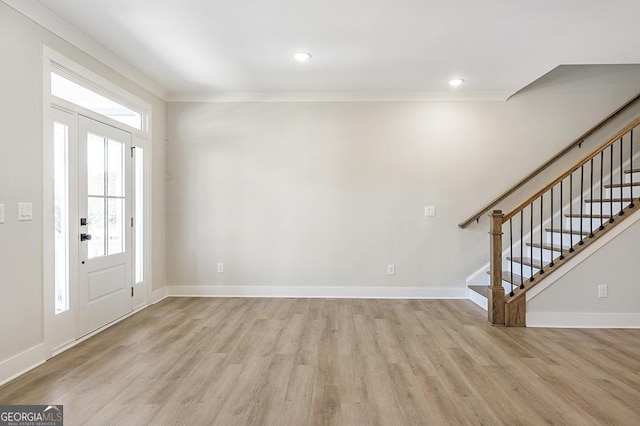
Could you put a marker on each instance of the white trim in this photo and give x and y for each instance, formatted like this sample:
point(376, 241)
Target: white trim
point(317, 292)
point(19, 364)
point(583, 320)
point(158, 295)
point(339, 97)
point(583, 255)
point(50, 21)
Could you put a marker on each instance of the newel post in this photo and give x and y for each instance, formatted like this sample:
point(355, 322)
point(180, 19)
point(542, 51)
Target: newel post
point(496, 291)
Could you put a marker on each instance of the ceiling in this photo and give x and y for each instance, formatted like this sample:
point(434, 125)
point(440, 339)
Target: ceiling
point(199, 49)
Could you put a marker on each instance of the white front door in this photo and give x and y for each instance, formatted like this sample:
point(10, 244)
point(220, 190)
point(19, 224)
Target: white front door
point(104, 207)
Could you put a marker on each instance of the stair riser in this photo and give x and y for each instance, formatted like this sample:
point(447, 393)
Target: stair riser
point(567, 239)
point(526, 269)
point(626, 192)
point(606, 207)
point(574, 223)
point(546, 254)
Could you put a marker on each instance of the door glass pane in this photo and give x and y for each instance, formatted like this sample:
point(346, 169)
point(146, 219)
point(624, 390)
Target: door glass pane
point(116, 225)
point(115, 165)
point(139, 217)
point(61, 218)
point(95, 227)
point(95, 165)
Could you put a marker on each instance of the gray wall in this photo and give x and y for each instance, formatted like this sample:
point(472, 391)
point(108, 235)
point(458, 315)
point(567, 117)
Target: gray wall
point(21, 243)
point(328, 194)
point(614, 265)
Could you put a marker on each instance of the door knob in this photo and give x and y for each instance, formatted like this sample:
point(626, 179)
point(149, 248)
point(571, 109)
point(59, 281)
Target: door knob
point(85, 237)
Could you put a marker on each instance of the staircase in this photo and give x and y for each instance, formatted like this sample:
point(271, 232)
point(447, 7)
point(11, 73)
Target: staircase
point(546, 231)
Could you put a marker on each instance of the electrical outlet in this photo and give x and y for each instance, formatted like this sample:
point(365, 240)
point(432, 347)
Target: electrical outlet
point(1, 213)
point(221, 268)
point(391, 269)
point(603, 290)
point(430, 211)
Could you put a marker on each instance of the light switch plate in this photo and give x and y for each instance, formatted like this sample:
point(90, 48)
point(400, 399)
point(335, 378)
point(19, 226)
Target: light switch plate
point(25, 211)
point(430, 211)
point(1, 213)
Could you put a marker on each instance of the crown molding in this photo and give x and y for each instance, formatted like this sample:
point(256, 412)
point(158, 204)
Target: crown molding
point(50, 21)
point(340, 97)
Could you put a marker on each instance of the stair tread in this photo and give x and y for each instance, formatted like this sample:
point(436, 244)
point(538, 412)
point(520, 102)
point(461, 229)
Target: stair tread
point(588, 215)
point(634, 171)
point(567, 231)
point(624, 184)
point(480, 289)
point(536, 263)
point(545, 246)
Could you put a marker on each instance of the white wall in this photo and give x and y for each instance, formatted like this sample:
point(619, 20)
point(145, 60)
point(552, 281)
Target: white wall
point(572, 301)
point(21, 281)
point(309, 195)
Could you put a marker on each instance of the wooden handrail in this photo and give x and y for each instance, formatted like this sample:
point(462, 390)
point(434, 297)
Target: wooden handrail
point(572, 169)
point(549, 162)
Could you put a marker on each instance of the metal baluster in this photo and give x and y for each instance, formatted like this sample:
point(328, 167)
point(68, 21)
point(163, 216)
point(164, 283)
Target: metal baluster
point(562, 220)
point(631, 165)
point(581, 242)
point(511, 252)
point(591, 208)
point(551, 223)
point(541, 216)
point(571, 249)
point(521, 249)
point(611, 219)
point(601, 188)
point(621, 182)
point(531, 279)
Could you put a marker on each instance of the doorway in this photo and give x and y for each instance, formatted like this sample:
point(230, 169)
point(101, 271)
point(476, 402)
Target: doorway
point(95, 197)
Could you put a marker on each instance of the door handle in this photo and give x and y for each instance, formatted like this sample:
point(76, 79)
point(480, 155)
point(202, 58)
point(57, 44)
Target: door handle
point(85, 237)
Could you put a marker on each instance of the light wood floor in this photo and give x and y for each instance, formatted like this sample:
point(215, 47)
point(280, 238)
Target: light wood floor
point(349, 362)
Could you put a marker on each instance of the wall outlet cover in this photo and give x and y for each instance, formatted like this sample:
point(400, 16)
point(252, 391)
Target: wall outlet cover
point(603, 290)
point(430, 211)
point(1, 213)
point(25, 211)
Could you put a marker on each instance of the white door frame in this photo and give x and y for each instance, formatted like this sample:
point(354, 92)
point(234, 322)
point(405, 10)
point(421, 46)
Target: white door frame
point(54, 326)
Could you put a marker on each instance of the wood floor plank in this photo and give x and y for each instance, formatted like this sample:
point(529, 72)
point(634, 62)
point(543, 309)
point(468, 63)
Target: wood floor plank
point(234, 361)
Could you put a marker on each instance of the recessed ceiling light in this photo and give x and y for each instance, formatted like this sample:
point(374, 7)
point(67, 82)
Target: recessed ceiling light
point(302, 56)
point(456, 82)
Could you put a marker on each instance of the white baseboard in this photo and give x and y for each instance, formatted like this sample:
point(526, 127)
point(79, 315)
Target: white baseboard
point(21, 363)
point(582, 320)
point(158, 295)
point(318, 292)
